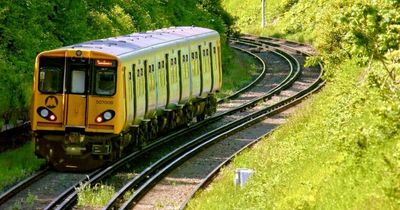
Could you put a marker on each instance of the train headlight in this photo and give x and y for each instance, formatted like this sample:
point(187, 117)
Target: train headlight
point(52, 117)
point(99, 119)
point(107, 115)
point(44, 113)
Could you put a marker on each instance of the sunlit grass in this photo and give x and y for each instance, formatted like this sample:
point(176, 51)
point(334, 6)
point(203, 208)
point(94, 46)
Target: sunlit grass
point(17, 164)
point(95, 196)
point(339, 151)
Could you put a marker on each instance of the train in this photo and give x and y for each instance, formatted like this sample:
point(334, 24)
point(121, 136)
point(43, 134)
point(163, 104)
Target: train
point(96, 101)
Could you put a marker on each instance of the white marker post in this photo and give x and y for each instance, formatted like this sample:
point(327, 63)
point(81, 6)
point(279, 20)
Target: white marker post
point(262, 13)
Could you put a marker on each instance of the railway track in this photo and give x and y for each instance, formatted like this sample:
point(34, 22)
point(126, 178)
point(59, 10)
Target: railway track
point(164, 169)
point(68, 197)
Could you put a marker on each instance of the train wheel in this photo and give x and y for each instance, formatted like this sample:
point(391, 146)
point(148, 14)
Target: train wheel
point(201, 117)
point(153, 128)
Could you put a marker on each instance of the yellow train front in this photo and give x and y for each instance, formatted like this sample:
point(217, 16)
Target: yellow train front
point(96, 101)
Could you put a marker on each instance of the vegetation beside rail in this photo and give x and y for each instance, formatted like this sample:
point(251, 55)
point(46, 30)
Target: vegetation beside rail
point(17, 164)
point(29, 27)
point(341, 149)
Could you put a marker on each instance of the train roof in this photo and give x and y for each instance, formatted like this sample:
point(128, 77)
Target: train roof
point(120, 45)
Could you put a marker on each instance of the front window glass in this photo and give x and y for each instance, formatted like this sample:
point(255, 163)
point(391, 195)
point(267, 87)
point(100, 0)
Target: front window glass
point(78, 81)
point(51, 75)
point(105, 81)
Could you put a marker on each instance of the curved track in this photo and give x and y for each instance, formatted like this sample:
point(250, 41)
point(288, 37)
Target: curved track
point(248, 120)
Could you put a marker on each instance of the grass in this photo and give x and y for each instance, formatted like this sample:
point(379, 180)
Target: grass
point(345, 157)
point(238, 73)
point(95, 196)
point(17, 164)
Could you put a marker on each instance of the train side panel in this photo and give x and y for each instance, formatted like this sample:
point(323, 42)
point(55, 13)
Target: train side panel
point(173, 78)
point(183, 64)
point(195, 70)
point(162, 91)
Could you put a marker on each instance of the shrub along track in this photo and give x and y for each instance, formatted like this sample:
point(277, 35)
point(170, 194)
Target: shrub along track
point(68, 197)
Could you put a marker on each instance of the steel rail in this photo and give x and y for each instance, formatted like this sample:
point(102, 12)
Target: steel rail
point(253, 83)
point(205, 182)
point(193, 147)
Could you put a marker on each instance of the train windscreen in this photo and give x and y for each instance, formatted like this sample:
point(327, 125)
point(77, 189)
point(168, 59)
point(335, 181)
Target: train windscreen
point(51, 72)
point(105, 78)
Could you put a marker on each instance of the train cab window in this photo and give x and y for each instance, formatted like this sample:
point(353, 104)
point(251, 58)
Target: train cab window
point(78, 81)
point(105, 77)
point(51, 72)
point(50, 80)
point(105, 81)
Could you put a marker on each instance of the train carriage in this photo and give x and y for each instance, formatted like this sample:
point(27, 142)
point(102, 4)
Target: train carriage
point(93, 101)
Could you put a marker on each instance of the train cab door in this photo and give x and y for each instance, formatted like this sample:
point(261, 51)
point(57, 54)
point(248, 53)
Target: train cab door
point(76, 98)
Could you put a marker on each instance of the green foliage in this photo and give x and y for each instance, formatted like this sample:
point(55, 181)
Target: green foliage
point(28, 27)
point(96, 196)
point(341, 150)
point(240, 69)
point(16, 164)
point(344, 157)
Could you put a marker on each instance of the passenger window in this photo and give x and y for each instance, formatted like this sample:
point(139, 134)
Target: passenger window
point(214, 50)
point(196, 55)
point(163, 64)
point(192, 55)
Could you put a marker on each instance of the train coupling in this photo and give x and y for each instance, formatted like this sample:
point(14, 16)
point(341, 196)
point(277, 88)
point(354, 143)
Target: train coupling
point(74, 145)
